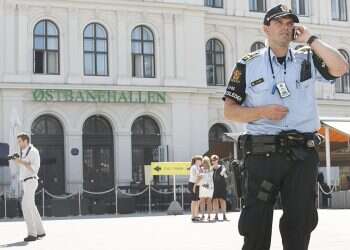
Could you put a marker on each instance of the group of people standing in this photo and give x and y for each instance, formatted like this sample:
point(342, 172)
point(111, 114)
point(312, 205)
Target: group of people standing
point(207, 186)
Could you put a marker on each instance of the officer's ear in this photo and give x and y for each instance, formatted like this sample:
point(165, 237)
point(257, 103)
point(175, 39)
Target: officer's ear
point(265, 29)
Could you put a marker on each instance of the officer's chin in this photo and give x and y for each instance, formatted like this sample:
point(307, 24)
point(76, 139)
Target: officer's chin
point(284, 43)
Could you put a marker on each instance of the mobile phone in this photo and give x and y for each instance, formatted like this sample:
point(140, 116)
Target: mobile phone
point(294, 34)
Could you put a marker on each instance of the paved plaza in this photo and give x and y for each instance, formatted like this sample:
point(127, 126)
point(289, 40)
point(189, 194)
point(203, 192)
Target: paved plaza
point(160, 232)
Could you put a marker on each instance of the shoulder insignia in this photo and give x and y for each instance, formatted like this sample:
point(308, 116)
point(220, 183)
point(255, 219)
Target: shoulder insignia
point(250, 56)
point(303, 50)
point(236, 75)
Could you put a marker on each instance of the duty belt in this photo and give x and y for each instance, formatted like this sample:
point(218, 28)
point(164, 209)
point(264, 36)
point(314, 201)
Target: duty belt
point(261, 144)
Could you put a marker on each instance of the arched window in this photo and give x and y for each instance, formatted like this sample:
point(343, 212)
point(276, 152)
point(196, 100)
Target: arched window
point(143, 59)
point(98, 154)
point(216, 133)
point(146, 138)
point(342, 84)
point(48, 138)
point(95, 50)
point(46, 48)
point(215, 59)
point(256, 46)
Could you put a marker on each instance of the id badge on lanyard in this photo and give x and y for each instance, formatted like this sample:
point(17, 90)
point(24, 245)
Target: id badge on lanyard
point(281, 87)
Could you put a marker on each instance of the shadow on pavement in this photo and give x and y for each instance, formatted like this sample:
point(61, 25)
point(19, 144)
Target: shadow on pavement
point(15, 244)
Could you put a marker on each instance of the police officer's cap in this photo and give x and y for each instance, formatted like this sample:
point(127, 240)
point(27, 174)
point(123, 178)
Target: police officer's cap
point(280, 10)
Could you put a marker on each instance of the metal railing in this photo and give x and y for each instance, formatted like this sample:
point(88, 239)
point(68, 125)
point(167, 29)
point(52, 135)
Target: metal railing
point(123, 199)
point(144, 199)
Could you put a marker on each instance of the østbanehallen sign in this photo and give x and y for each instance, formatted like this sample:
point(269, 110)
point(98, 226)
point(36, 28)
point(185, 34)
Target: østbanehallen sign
point(99, 96)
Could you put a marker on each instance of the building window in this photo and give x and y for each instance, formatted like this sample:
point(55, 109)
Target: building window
point(217, 133)
point(257, 46)
point(46, 48)
point(257, 5)
point(219, 143)
point(145, 139)
point(300, 7)
point(342, 84)
point(98, 154)
point(95, 50)
point(339, 10)
point(48, 138)
point(215, 58)
point(143, 59)
point(214, 3)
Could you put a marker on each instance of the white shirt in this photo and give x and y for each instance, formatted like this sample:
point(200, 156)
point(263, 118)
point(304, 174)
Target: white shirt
point(206, 188)
point(194, 173)
point(33, 157)
point(207, 178)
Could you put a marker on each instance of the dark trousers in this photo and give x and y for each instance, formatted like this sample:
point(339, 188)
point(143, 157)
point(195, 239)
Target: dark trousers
point(295, 180)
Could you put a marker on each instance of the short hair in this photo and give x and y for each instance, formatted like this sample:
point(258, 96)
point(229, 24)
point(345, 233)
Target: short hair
point(23, 136)
point(214, 158)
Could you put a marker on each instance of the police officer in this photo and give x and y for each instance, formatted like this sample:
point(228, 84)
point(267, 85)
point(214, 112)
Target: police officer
point(273, 91)
point(29, 164)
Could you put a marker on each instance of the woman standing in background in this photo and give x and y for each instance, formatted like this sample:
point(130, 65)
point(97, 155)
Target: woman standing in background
point(206, 188)
point(193, 187)
point(219, 196)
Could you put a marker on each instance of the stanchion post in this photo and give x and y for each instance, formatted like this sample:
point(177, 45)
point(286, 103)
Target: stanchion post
point(318, 195)
point(116, 200)
point(43, 202)
point(182, 196)
point(174, 179)
point(149, 199)
point(344, 192)
point(5, 204)
point(79, 202)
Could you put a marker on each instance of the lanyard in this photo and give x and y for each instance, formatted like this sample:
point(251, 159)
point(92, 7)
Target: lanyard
point(26, 153)
point(273, 72)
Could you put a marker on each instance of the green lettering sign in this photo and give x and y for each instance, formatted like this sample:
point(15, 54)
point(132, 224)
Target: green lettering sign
point(98, 96)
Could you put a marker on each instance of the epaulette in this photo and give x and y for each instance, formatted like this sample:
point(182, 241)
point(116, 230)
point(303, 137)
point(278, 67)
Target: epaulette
point(249, 57)
point(303, 50)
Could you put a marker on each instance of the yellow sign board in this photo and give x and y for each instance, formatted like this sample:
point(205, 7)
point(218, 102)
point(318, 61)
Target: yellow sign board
point(170, 168)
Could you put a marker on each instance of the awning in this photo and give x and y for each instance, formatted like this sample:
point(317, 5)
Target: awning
point(341, 124)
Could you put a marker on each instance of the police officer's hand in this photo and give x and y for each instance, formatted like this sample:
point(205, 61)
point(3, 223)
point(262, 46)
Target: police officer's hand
point(274, 112)
point(302, 34)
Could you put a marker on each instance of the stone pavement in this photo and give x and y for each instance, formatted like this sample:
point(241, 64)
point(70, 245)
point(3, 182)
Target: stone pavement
point(163, 233)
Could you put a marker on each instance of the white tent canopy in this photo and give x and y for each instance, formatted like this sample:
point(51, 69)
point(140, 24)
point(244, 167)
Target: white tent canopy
point(342, 125)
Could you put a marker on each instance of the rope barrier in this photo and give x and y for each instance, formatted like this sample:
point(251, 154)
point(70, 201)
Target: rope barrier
point(61, 197)
point(132, 195)
point(326, 193)
point(99, 193)
point(161, 192)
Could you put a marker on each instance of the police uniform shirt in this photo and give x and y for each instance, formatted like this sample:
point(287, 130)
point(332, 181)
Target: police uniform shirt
point(252, 85)
point(33, 157)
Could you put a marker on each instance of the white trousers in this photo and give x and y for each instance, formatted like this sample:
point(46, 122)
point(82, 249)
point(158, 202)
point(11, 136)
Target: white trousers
point(30, 212)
